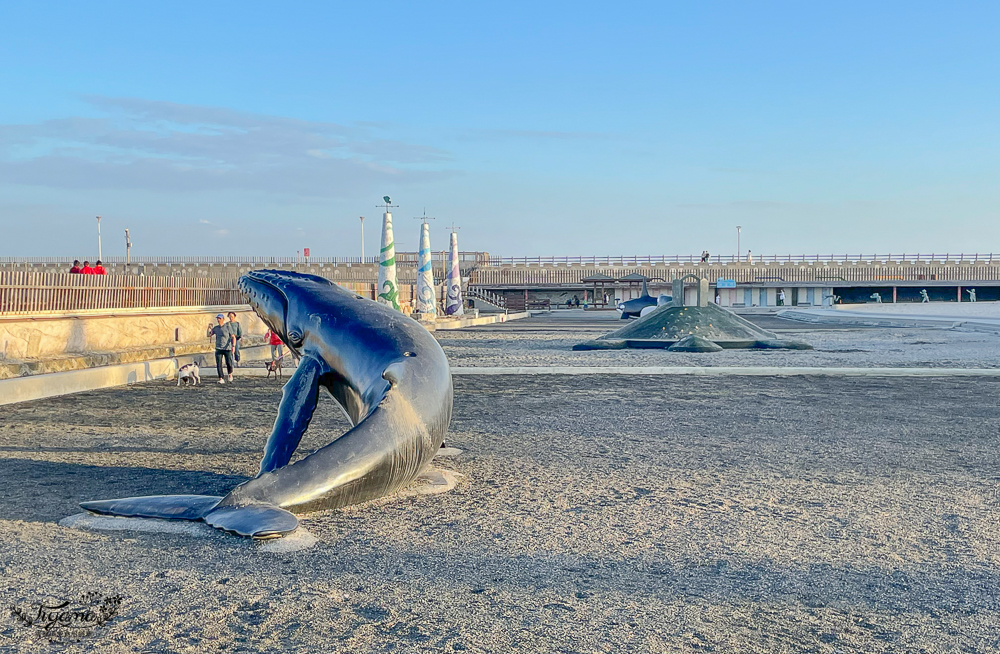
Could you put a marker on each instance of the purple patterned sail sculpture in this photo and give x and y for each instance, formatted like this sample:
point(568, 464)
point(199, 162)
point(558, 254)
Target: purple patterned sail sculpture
point(453, 285)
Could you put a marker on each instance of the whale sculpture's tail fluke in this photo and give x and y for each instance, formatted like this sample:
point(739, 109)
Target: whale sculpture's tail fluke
point(255, 520)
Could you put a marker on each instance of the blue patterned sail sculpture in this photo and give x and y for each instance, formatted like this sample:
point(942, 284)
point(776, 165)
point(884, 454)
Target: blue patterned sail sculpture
point(387, 292)
point(453, 287)
point(426, 296)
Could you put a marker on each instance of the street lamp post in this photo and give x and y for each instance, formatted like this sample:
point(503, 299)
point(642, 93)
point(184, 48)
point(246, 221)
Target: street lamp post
point(362, 239)
point(738, 250)
point(99, 257)
point(128, 249)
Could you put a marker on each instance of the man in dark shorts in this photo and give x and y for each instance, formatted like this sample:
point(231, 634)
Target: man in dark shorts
point(225, 341)
point(237, 330)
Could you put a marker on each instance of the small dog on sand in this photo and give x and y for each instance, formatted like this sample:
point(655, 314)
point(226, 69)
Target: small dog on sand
point(275, 367)
point(188, 374)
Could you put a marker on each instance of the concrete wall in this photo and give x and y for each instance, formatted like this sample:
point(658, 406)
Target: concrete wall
point(25, 338)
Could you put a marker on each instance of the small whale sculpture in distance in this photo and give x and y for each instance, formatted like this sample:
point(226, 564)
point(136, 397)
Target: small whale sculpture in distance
point(388, 374)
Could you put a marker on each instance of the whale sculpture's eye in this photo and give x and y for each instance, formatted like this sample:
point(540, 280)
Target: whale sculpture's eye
point(409, 354)
point(295, 338)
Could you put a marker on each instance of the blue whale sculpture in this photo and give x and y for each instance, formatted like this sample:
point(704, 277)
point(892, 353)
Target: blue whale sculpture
point(388, 374)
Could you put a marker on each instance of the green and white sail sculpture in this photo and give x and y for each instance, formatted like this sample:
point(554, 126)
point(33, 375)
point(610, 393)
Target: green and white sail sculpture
point(426, 295)
point(388, 292)
point(453, 287)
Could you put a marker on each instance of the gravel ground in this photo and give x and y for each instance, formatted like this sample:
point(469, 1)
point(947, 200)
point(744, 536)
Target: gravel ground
point(597, 514)
point(548, 341)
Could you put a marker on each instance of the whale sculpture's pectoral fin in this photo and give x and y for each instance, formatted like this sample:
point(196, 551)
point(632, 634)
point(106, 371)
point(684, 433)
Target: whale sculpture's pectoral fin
point(255, 520)
point(168, 507)
point(298, 402)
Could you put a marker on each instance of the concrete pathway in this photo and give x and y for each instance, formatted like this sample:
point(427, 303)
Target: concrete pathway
point(970, 316)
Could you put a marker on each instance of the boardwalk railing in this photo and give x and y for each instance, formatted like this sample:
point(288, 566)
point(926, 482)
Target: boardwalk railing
point(757, 273)
point(26, 293)
point(484, 259)
point(734, 259)
point(29, 292)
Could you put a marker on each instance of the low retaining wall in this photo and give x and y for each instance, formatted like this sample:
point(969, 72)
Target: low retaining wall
point(35, 380)
point(459, 323)
point(59, 342)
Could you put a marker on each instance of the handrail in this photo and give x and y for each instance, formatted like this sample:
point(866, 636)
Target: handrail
point(482, 294)
point(405, 257)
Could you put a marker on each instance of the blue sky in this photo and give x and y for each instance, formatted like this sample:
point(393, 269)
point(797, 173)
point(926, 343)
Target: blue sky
point(539, 128)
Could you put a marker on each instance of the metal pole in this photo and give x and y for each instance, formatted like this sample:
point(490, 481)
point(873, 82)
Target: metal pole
point(128, 248)
point(362, 239)
point(99, 257)
point(738, 250)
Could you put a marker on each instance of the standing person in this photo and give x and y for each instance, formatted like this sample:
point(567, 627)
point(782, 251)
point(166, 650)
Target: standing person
point(224, 344)
point(237, 330)
point(99, 268)
point(86, 270)
point(75, 270)
point(781, 298)
point(749, 257)
point(277, 346)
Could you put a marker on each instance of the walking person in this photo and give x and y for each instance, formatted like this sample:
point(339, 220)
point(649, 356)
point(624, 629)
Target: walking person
point(237, 330)
point(749, 257)
point(75, 270)
point(781, 298)
point(225, 341)
point(99, 268)
point(86, 270)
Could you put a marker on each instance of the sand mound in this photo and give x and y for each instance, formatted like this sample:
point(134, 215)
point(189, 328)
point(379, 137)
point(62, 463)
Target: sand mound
point(669, 324)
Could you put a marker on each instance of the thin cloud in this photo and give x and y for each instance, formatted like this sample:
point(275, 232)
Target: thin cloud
point(165, 146)
point(537, 135)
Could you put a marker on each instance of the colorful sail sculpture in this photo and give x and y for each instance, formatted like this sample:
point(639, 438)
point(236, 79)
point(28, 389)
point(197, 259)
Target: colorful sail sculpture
point(426, 295)
point(388, 292)
point(453, 294)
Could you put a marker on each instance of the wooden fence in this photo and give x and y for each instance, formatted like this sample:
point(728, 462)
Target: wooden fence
point(26, 293)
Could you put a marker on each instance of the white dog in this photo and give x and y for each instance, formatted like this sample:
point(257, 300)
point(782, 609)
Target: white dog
point(188, 374)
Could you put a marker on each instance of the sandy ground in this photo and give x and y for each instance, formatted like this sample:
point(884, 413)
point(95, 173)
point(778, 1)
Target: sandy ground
point(547, 341)
point(598, 514)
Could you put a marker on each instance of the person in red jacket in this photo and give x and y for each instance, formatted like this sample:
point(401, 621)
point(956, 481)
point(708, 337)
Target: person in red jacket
point(87, 270)
point(277, 347)
point(75, 270)
point(99, 269)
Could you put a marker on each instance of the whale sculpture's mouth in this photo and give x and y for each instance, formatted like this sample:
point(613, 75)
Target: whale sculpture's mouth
point(267, 299)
